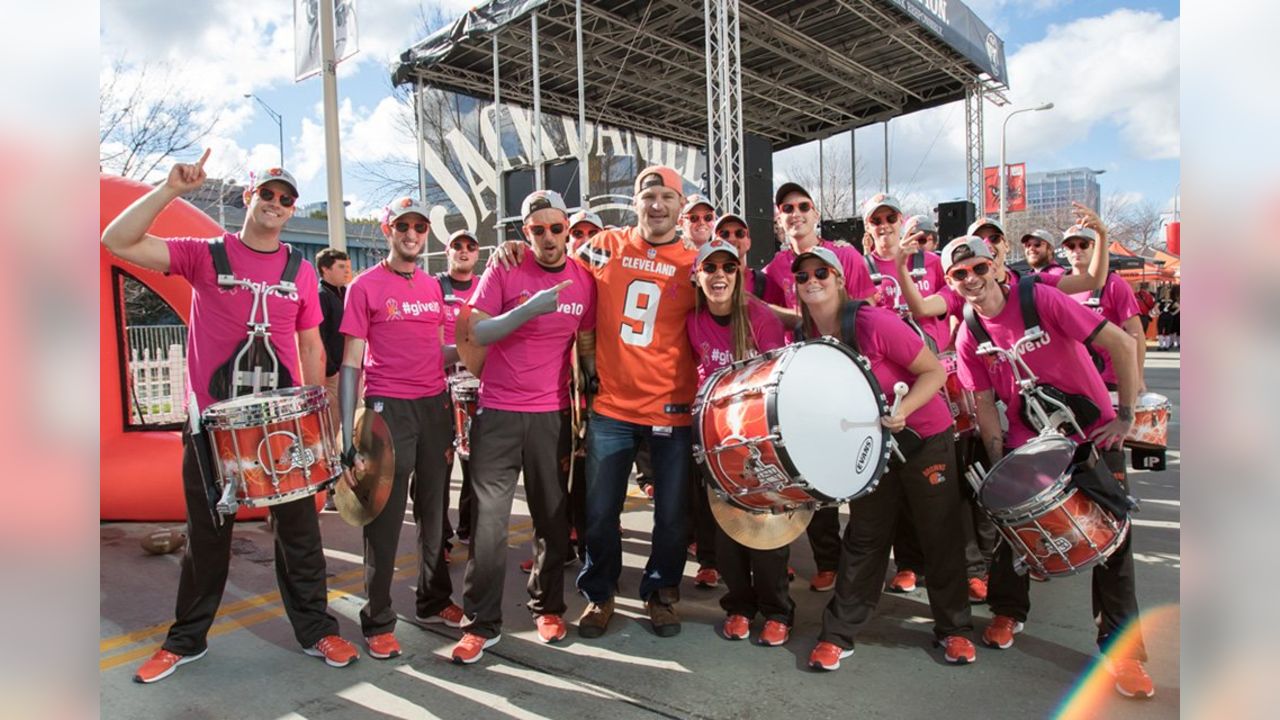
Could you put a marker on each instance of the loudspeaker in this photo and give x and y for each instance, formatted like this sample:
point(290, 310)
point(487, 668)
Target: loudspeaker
point(849, 230)
point(561, 176)
point(954, 219)
point(757, 203)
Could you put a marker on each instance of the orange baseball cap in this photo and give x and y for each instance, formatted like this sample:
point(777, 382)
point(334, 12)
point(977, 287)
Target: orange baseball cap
point(660, 175)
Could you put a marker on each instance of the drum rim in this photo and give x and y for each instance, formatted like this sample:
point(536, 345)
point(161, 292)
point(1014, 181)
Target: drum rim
point(304, 401)
point(1039, 498)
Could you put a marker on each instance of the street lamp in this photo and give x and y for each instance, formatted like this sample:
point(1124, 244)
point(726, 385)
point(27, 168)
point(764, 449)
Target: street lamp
point(1004, 172)
point(274, 116)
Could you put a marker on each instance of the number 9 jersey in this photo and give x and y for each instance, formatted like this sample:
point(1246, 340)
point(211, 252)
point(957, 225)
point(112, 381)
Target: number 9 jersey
point(644, 296)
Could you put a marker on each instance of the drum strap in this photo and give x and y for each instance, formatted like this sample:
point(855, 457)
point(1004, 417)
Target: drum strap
point(226, 277)
point(1027, 301)
point(849, 322)
point(446, 284)
point(757, 284)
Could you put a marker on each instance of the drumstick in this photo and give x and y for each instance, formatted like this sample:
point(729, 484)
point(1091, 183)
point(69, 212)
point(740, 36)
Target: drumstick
point(899, 392)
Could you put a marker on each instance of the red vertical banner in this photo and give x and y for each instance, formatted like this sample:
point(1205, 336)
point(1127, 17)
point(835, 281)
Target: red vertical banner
point(990, 191)
point(1017, 187)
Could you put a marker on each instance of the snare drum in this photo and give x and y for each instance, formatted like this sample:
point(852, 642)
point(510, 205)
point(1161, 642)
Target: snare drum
point(464, 389)
point(1150, 429)
point(795, 427)
point(963, 408)
point(276, 446)
point(1057, 530)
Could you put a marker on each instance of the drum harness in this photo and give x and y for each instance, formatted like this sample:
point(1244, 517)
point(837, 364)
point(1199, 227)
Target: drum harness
point(900, 307)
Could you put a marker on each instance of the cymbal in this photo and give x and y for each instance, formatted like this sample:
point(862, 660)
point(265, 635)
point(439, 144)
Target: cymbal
point(360, 505)
point(759, 531)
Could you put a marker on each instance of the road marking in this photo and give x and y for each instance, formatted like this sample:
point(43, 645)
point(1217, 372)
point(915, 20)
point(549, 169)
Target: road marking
point(487, 699)
point(595, 652)
point(1162, 524)
point(551, 681)
point(378, 700)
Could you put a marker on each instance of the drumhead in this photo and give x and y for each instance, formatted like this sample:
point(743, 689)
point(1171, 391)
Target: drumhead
point(828, 413)
point(1027, 472)
point(1146, 401)
point(266, 407)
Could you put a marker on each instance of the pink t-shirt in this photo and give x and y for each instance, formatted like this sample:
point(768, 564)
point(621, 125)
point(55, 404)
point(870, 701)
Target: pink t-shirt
point(930, 283)
point(891, 347)
point(1059, 359)
point(780, 285)
point(713, 342)
point(453, 306)
point(1117, 304)
point(401, 320)
point(528, 370)
point(219, 315)
point(1053, 270)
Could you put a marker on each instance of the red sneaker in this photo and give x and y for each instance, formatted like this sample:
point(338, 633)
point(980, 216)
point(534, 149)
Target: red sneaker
point(827, 656)
point(977, 590)
point(648, 490)
point(903, 582)
point(957, 650)
point(162, 664)
point(693, 549)
point(451, 616)
point(1131, 677)
point(383, 646)
point(791, 573)
point(471, 648)
point(736, 627)
point(526, 566)
point(823, 581)
point(550, 628)
point(707, 577)
point(335, 651)
point(999, 634)
point(774, 634)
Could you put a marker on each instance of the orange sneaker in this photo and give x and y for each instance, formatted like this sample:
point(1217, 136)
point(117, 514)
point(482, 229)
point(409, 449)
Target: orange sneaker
point(451, 616)
point(471, 648)
point(526, 566)
point(648, 490)
point(903, 582)
point(774, 634)
point(957, 650)
point(550, 628)
point(999, 634)
point(977, 590)
point(162, 664)
point(1131, 677)
point(706, 578)
point(335, 651)
point(823, 581)
point(827, 656)
point(736, 627)
point(382, 645)
point(791, 573)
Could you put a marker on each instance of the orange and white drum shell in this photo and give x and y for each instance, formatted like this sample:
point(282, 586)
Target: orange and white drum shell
point(1071, 535)
point(1150, 429)
point(964, 410)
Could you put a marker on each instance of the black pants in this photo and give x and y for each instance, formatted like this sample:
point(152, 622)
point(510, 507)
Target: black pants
point(824, 538)
point(1113, 582)
point(420, 432)
point(466, 504)
point(927, 484)
point(756, 579)
point(507, 443)
point(702, 524)
point(299, 561)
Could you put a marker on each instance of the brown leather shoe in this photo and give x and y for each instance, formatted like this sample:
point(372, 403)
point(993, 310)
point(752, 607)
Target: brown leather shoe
point(666, 623)
point(595, 619)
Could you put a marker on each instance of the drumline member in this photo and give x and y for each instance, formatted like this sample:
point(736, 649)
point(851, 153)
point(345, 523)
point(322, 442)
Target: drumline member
point(1059, 359)
point(458, 282)
point(697, 219)
point(529, 317)
point(1115, 301)
point(1039, 247)
point(729, 325)
point(991, 232)
point(732, 229)
point(583, 225)
point(925, 481)
point(921, 223)
point(217, 328)
point(798, 217)
point(646, 391)
point(394, 323)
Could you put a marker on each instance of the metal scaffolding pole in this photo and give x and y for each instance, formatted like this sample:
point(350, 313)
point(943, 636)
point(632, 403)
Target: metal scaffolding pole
point(973, 159)
point(584, 175)
point(822, 180)
point(853, 172)
point(498, 152)
point(418, 89)
point(724, 104)
point(886, 157)
point(538, 183)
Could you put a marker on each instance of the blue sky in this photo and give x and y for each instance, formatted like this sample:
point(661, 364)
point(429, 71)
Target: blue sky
point(1110, 68)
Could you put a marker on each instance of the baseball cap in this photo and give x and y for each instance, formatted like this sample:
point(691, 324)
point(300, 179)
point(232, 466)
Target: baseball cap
point(659, 175)
point(403, 206)
point(542, 200)
point(727, 218)
point(585, 216)
point(1044, 235)
point(262, 176)
point(880, 200)
point(920, 223)
point(711, 248)
point(1076, 231)
point(788, 188)
point(822, 254)
point(694, 201)
point(963, 248)
point(462, 234)
point(983, 222)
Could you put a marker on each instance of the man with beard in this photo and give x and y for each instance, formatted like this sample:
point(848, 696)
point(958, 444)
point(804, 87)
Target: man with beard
point(462, 251)
point(1039, 246)
point(697, 219)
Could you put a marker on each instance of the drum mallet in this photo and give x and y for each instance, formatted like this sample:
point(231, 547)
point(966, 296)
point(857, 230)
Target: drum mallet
point(899, 392)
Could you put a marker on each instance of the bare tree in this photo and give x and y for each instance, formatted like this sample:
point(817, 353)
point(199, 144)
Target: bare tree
point(143, 121)
point(834, 193)
point(1133, 223)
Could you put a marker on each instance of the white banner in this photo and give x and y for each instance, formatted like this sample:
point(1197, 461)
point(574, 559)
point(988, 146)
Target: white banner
point(306, 35)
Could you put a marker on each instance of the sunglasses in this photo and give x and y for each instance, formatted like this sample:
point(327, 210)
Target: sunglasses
point(726, 234)
point(460, 244)
point(538, 230)
point(789, 208)
point(1033, 242)
point(267, 195)
point(821, 273)
point(693, 217)
point(890, 219)
point(994, 239)
point(579, 233)
point(961, 274)
point(729, 267)
point(419, 227)
point(1077, 244)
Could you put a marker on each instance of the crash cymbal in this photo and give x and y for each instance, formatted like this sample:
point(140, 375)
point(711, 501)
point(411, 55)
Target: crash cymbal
point(361, 504)
point(759, 531)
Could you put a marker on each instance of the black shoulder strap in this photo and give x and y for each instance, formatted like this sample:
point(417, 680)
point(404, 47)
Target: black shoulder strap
point(291, 265)
point(757, 284)
point(917, 260)
point(871, 265)
point(446, 284)
point(849, 323)
point(975, 326)
point(221, 263)
point(1095, 297)
point(1027, 300)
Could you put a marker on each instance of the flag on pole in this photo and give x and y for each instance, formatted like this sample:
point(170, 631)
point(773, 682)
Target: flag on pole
point(306, 35)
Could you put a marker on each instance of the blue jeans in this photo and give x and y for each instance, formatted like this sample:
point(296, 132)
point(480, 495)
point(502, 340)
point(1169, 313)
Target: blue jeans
point(611, 450)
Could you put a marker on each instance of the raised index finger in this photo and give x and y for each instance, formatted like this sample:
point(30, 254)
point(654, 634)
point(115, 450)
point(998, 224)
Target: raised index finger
point(205, 156)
